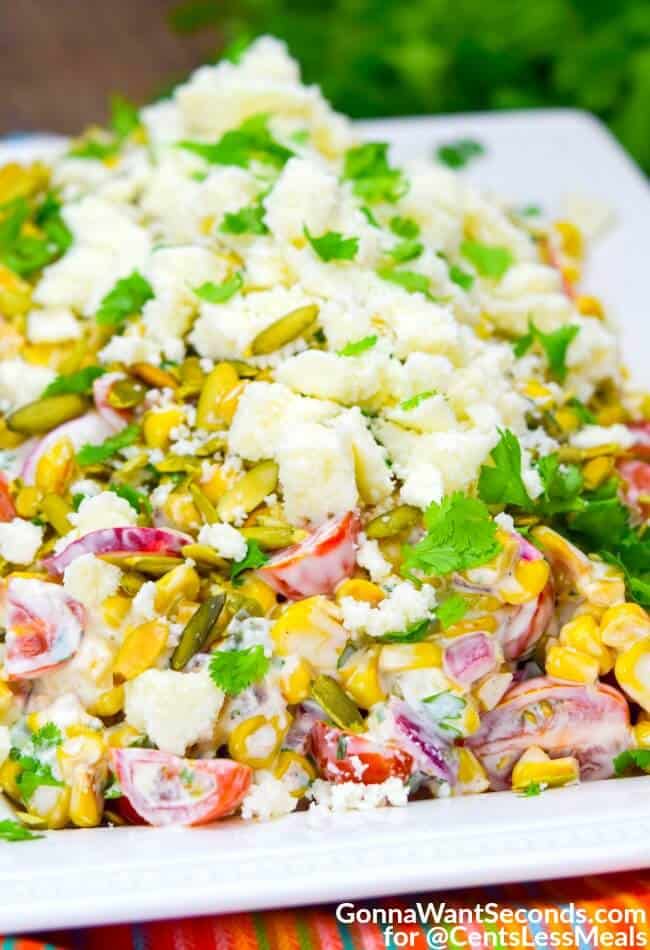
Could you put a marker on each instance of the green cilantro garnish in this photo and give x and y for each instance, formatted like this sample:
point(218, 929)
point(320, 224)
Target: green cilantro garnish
point(127, 298)
point(252, 141)
point(47, 736)
point(236, 49)
point(125, 117)
point(406, 250)
point(405, 228)
point(80, 382)
point(113, 790)
point(95, 149)
point(530, 211)
point(300, 137)
point(413, 633)
point(532, 790)
point(48, 218)
point(333, 246)
point(415, 401)
point(77, 498)
point(446, 708)
point(369, 216)
point(502, 484)
point(124, 120)
point(96, 454)
point(451, 610)
point(33, 774)
point(488, 259)
point(460, 534)
point(631, 759)
point(461, 277)
point(254, 558)
point(408, 279)
point(248, 220)
point(374, 179)
point(220, 293)
point(458, 154)
point(357, 347)
point(585, 414)
point(27, 253)
point(562, 486)
point(235, 670)
point(555, 346)
point(14, 831)
point(137, 499)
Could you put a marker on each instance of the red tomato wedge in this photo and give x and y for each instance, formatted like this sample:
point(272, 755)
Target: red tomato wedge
point(641, 432)
point(44, 627)
point(7, 509)
point(636, 491)
point(166, 789)
point(318, 564)
point(346, 757)
point(127, 540)
point(590, 722)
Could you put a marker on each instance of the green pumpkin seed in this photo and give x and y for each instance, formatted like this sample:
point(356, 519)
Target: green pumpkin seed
point(125, 394)
point(270, 536)
point(249, 492)
point(204, 506)
point(153, 565)
point(45, 414)
point(237, 603)
point(131, 582)
point(211, 447)
point(55, 511)
point(204, 556)
point(244, 370)
point(192, 377)
point(178, 463)
point(284, 330)
point(336, 703)
point(197, 631)
point(393, 522)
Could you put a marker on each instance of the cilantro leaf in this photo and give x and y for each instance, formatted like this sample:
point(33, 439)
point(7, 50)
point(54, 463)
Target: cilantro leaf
point(562, 486)
point(413, 633)
point(253, 558)
point(47, 736)
point(80, 382)
point(451, 610)
point(532, 790)
point(632, 758)
point(502, 484)
point(374, 179)
point(408, 279)
point(530, 211)
point(406, 250)
point(415, 401)
point(220, 293)
point(127, 298)
point(461, 277)
point(14, 831)
point(252, 141)
point(96, 454)
point(404, 227)
point(460, 534)
point(33, 774)
point(585, 414)
point(48, 218)
point(235, 670)
point(446, 709)
point(95, 149)
point(458, 154)
point(554, 345)
point(26, 253)
point(248, 220)
point(488, 259)
point(601, 522)
point(357, 347)
point(332, 246)
point(125, 117)
point(137, 499)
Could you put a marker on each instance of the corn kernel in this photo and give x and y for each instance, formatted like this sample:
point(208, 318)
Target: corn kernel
point(140, 649)
point(531, 577)
point(179, 508)
point(544, 771)
point(181, 582)
point(122, 736)
point(55, 468)
point(571, 273)
point(9, 772)
point(642, 734)
point(567, 419)
point(472, 778)
point(632, 671)
point(27, 501)
point(484, 622)
point(52, 805)
point(15, 293)
point(583, 634)
point(360, 589)
point(114, 610)
point(256, 741)
point(108, 703)
point(254, 588)
point(491, 690)
point(398, 657)
point(621, 626)
point(597, 470)
point(360, 676)
point(157, 425)
point(218, 482)
point(590, 306)
point(296, 681)
point(571, 237)
point(6, 700)
point(538, 392)
point(565, 663)
point(86, 804)
point(310, 629)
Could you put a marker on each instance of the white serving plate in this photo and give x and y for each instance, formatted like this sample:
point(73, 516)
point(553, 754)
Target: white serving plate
point(74, 878)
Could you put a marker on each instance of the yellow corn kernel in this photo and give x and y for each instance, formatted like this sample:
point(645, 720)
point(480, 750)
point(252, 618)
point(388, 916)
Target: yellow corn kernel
point(6, 699)
point(295, 681)
point(254, 588)
point(179, 508)
point(484, 328)
point(114, 610)
point(15, 294)
point(544, 771)
point(361, 679)
point(157, 425)
point(597, 470)
point(55, 468)
point(611, 415)
point(642, 734)
point(122, 736)
point(590, 306)
point(531, 578)
point(295, 770)
point(483, 622)
point(28, 501)
point(538, 392)
point(108, 703)
point(490, 690)
point(571, 273)
point(181, 582)
point(8, 439)
point(86, 803)
point(397, 657)
point(219, 397)
point(472, 777)
point(140, 649)
point(571, 238)
point(632, 671)
point(256, 741)
point(567, 419)
point(360, 589)
point(9, 772)
point(564, 663)
point(52, 805)
point(583, 634)
point(310, 629)
point(623, 625)
point(218, 482)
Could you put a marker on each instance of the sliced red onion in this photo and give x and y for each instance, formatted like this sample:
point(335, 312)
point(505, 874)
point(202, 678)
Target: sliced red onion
point(90, 429)
point(416, 732)
point(126, 540)
point(101, 387)
point(526, 624)
point(297, 738)
point(468, 658)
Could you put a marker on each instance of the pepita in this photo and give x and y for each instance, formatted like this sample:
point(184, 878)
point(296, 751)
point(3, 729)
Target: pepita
point(45, 414)
point(56, 510)
point(204, 505)
point(197, 631)
point(178, 463)
point(283, 331)
point(270, 536)
point(153, 565)
point(218, 399)
point(249, 492)
point(154, 375)
point(393, 522)
point(203, 555)
point(244, 370)
point(125, 394)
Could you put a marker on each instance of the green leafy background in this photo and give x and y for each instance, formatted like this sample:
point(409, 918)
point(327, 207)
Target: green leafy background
point(377, 58)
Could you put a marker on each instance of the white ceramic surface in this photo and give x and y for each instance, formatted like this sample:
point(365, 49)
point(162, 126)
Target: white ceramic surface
point(91, 877)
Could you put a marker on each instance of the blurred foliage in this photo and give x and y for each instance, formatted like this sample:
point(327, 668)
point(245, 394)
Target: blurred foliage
point(378, 58)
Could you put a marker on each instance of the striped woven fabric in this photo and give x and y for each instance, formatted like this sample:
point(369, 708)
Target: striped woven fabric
point(550, 914)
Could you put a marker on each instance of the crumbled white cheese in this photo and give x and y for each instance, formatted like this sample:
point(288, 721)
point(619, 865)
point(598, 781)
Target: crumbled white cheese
point(52, 326)
point(370, 557)
point(226, 541)
point(19, 541)
point(22, 382)
point(90, 580)
point(404, 606)
point(175, 710)
point(355, 796)
point(591, 437)
point(5, 743)
point(268, 798)
point(105, 510)
point(143, 605)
